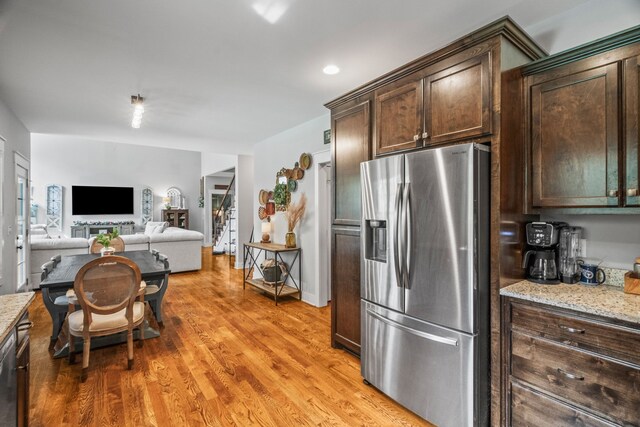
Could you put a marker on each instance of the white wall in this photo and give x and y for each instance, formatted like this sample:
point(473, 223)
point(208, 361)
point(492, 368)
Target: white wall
point(271, 155)
point(613, 238)
point(75, 161)
point(585, 23)
point(17, 136)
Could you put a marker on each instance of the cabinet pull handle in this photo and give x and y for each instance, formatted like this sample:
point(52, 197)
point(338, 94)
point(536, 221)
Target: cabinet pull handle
point(572, 330)
point(23, 367)
point(570, 375)
point(425, 135)
point(25, 326)
point(613, 193)
point(416, 137)
point(632, 192)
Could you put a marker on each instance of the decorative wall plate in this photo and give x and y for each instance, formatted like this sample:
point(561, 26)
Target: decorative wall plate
point(305, 161)
point(262, 213)
point(263, 197)
point(293, 185)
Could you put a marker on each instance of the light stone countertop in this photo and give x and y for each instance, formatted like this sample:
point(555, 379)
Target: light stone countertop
point(12, 307)
point(607, 301)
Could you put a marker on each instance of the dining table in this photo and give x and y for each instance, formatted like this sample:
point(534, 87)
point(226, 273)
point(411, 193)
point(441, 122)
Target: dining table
point(63, 276)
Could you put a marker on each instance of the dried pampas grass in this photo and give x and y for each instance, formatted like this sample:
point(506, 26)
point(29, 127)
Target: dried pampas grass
point(295, 212)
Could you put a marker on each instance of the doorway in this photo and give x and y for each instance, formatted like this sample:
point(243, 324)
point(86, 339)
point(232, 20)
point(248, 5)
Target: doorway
point(22, 221)
point(323, 206)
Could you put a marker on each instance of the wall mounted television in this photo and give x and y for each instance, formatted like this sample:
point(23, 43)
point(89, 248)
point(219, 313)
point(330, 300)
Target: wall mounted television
point(86, 200)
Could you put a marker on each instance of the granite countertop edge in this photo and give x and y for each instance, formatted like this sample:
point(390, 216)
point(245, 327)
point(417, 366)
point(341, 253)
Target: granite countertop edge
point(12, 307)
point(605, 301)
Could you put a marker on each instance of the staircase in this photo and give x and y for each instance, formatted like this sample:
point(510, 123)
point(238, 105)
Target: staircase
point(224, 225)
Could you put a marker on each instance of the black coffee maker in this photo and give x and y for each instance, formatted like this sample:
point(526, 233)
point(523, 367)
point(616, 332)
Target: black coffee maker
point(541, 259)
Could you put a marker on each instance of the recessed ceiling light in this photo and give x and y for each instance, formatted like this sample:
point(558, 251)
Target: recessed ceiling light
point(331, 69)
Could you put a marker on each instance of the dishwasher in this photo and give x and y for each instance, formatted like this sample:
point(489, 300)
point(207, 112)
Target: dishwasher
point(8, 381)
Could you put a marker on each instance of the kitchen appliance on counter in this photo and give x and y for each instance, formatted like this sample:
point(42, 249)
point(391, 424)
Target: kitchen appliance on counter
point(541, 260)
point(425, 281)
point(569, 254)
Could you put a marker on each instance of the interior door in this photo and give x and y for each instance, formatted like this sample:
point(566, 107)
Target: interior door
point(440, 222)
point(381, 194)
point(22, 221)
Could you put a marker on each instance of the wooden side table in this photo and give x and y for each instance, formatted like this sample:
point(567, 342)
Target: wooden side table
point(290, 286)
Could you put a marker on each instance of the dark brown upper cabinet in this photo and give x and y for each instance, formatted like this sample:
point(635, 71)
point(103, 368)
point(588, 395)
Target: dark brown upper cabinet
point(446, 102)
point(457, 101)
point(575, 137)
point(350, 135)
point(398, 118)
point(632, 138)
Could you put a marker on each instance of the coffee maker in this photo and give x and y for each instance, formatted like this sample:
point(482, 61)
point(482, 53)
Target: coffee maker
point(541, 259)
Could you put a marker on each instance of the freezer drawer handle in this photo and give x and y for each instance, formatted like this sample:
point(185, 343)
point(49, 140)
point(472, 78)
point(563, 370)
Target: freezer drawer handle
point(431, 337)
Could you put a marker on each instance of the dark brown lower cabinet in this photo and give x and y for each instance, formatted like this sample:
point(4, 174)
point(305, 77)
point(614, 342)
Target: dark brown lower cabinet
point(345, 288)
point(566, 368)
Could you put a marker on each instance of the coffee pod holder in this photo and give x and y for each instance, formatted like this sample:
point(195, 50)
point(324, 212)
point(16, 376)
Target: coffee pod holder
point(631, 283)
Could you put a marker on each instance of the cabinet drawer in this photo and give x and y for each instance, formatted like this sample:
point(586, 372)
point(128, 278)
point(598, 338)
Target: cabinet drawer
point(532, 409)
point(601, 385)
point(608, 340)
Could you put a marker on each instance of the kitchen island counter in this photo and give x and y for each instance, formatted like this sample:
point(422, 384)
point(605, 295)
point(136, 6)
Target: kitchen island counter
point(12, 307)
point(606, 301)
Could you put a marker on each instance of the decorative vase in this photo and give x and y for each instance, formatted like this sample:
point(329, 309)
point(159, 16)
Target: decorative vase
point(107, 251)
point(290, 240)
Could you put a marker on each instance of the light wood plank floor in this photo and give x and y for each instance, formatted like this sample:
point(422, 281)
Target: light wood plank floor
point(226, 356)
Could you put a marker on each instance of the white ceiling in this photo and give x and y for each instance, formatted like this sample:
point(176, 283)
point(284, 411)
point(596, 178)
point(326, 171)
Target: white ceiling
point(216, 75)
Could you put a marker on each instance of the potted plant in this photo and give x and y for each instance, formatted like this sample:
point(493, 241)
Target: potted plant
point(294, 213)
point(105, 240)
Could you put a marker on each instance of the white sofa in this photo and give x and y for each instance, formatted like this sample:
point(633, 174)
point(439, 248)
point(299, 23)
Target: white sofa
point(183, 248)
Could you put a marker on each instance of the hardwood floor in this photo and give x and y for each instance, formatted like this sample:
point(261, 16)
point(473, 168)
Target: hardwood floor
point(226, 356)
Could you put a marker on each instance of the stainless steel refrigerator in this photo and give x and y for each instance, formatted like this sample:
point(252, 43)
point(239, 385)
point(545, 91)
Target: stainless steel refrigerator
point(425, 281)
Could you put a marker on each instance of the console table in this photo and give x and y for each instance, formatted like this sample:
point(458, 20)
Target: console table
point(290, 286)
point(86, 231)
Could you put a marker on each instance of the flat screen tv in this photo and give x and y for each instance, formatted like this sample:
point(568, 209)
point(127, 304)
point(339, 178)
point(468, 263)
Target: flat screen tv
point(87, 200)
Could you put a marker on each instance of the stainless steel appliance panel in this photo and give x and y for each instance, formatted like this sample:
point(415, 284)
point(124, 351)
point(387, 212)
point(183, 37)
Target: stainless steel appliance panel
point(427, 368)
point(441, 200)
point(381, 182)
point(8, 382)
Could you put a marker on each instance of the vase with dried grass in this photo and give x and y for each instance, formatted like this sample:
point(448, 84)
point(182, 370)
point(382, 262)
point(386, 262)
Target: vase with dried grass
point(294, 213)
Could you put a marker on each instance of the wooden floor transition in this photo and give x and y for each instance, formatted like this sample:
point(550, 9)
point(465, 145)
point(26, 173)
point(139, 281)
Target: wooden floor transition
point(226, 357)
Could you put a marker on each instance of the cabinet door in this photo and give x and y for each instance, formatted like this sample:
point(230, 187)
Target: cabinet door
point(398, 118)
point(345, 289)
point(632, 137)
point(350, 130)
point(574, 139)
point(457, 101)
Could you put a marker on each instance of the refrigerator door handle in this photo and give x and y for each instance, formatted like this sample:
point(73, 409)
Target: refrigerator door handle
point(397, 236)
point(431, 337)
point(407, 233)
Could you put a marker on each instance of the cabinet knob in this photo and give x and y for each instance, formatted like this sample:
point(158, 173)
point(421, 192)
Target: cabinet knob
point(613, 193)
point(425, 135)
point(416, 137)
point(632, 192)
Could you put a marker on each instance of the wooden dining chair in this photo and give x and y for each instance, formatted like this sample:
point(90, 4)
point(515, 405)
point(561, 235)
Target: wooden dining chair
point(106, 289)
point(116, 243)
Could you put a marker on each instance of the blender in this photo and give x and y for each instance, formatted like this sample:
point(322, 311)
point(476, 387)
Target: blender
point(569, 253)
